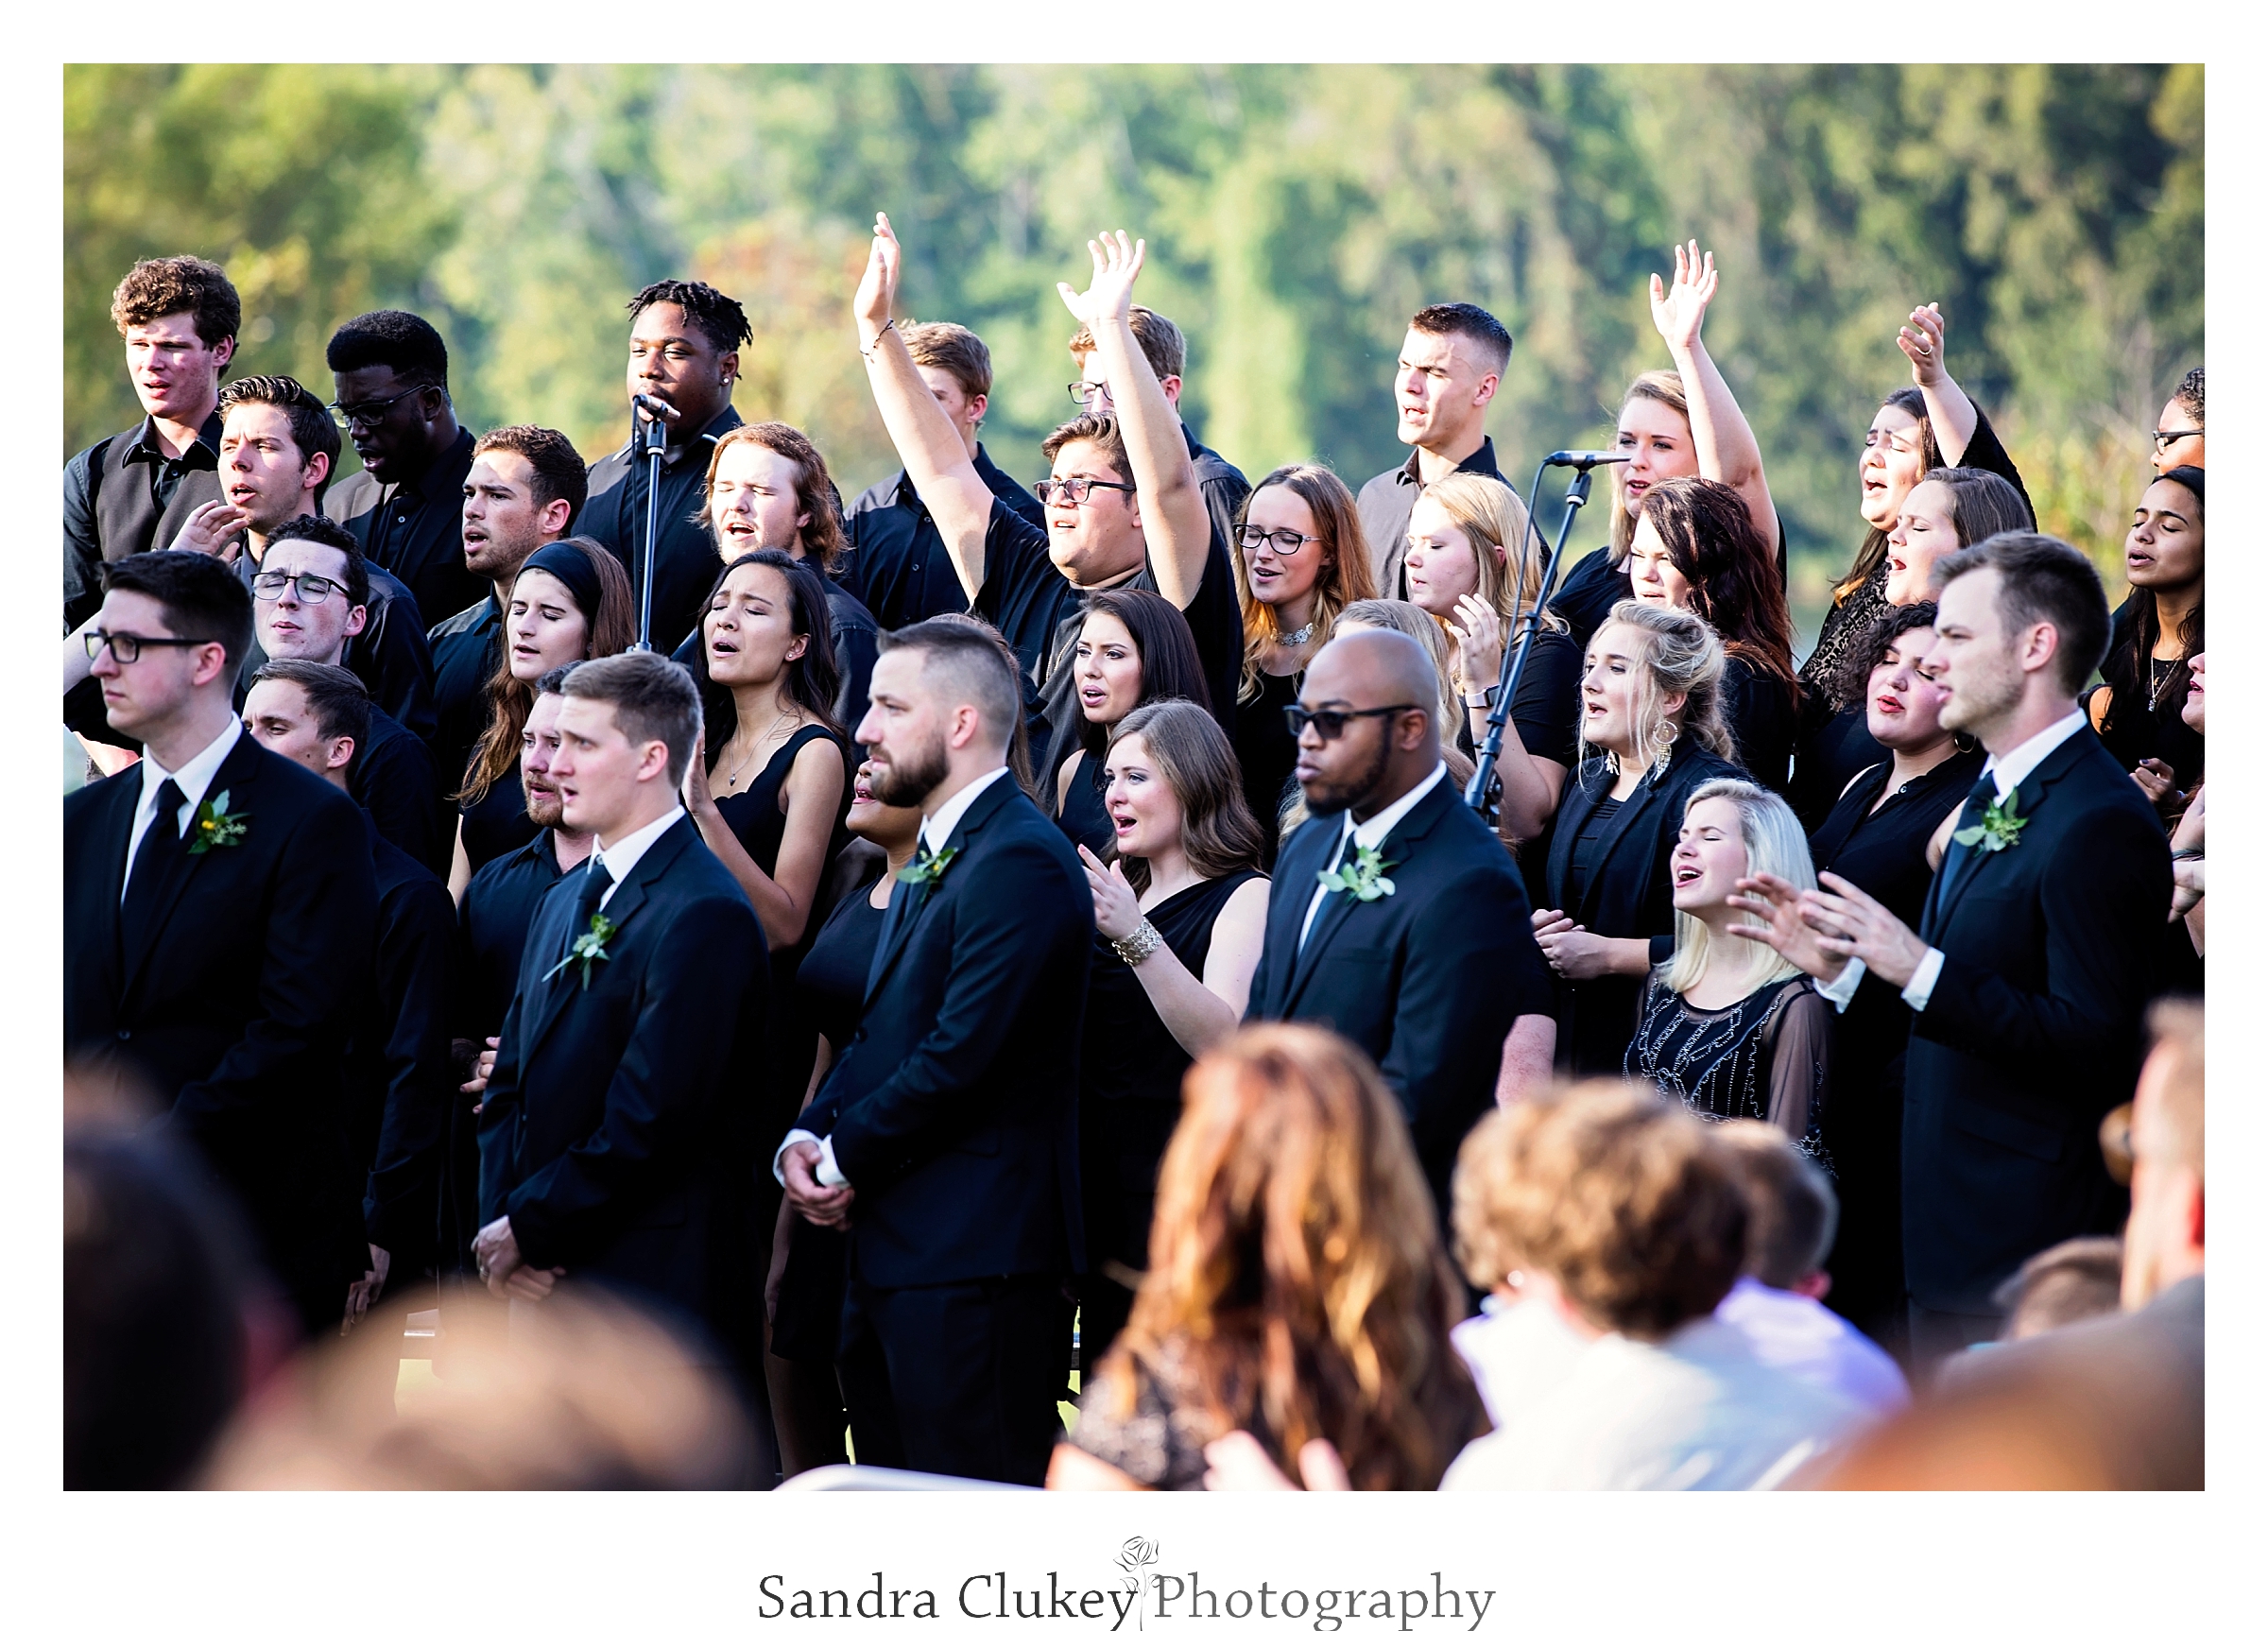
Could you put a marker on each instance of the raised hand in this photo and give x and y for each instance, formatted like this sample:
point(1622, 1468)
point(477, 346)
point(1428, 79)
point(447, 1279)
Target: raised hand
point(1852, 923)
point(878, 287)
point(1679, 311)
point(213, 529)
point(1117, 911)
point(1924, 345)
point(1109, 296)
point(1778, 906)
point(1480, 643)
point(699, 800)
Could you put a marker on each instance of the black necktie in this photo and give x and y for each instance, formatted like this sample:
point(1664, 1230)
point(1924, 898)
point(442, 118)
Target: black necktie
point(153, 864)
point(594, 883)
point(1972, 812)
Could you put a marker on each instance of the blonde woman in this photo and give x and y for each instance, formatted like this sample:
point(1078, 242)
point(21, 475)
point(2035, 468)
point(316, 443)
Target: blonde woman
point(1301, 559)
point(1475, 563)
point(1730, 1027)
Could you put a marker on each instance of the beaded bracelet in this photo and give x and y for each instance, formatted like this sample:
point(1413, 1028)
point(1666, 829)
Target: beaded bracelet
point(1139, 945)
point(867, 352)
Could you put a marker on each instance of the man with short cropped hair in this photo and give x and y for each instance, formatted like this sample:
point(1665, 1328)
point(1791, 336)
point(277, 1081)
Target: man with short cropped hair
point(1451, 362)
point(218, 915)
point(899, 567)
point(685, 340)
point(310, 599)
point(135, 491)
point(524, 490)
point(400, 1082)
point(391, 371)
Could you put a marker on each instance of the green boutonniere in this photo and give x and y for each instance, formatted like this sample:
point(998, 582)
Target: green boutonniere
point(590, 948)
point(1365, 875)
point(213, 828)
point(1997, 828)
point(927, 872)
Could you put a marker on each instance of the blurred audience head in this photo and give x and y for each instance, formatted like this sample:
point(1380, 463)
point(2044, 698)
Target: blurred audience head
point(1791, 1208)
point(2073, 1281)
point(2165, 1228)
point(1296, 1275)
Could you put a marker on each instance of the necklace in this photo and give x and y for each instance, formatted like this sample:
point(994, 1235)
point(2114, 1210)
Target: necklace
point(771, 732)
point(1299, 636)
point(2159, 666)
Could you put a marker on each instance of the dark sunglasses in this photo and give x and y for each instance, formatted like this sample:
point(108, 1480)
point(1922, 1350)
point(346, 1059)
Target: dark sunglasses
point(1329, 722)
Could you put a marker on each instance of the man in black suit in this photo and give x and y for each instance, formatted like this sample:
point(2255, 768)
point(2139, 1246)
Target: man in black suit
point(1399, 921)
point(400, 1082)
point(946, 1138)
point(2030, 973)
point(615, 1131)
point(219, 913)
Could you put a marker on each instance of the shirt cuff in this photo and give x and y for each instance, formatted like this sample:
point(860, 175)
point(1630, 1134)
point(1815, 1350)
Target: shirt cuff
point(1924, 981)
point(1844, 986)
point(827, 1172)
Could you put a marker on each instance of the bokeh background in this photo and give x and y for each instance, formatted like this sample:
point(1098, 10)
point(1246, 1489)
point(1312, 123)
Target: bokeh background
point(1296, 216)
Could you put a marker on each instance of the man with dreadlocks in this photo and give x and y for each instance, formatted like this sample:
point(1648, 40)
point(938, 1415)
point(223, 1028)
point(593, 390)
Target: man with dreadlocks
point(685, 341)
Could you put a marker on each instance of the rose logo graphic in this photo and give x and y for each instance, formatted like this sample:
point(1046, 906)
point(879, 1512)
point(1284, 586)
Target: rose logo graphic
point(1134, 1561)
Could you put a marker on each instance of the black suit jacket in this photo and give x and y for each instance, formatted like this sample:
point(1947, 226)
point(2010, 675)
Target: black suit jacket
point(1427, 980)
point(237, 1009)
point(953, 1110)
point(616, 1130)
point(2033, 1030)
point(1626, 895)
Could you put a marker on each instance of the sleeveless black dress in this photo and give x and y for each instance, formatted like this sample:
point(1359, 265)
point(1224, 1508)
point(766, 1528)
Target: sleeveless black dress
point(1130, 1071)
point(1885, 853)
point(1084, 821)
point(1267, 750)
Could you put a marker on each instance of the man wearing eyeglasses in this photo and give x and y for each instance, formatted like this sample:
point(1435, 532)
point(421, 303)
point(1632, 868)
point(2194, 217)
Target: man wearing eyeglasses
point(391, 373)
point(2180, 436)
point(1397, 920)
point(311, 596)
point(220, 911)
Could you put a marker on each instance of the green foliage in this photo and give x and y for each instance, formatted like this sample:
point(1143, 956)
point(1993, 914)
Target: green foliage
point(1295, 215)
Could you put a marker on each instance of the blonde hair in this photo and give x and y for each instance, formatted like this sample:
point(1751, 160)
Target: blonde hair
point(1656, 385)
point(1425, 630)
point(1494, 520)
point(1776, 844)
point(1345, 576)
point(1683, 657)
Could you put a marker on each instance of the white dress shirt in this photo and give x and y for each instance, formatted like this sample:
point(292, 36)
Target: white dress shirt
point(936, 831)
point(627, 854)
point(193, 779)
point(1367, 836)
point(2007, 771)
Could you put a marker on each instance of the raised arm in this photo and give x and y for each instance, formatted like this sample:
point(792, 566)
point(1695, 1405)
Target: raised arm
point(1722, 440)
point(1175, 528)
point(1952, 416)
point(944, 475)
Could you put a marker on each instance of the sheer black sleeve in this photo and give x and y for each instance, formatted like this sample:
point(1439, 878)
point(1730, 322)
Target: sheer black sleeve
point(1802, 1028)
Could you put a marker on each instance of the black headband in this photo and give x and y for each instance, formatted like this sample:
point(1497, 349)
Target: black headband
point(572, 567)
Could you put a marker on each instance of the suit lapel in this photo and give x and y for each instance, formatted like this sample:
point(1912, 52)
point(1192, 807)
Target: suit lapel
point(621, 907)
point(964, 839)
point(2030, 795)
point(240, 769)
point(1340, 906)
point(114, 826)
point(1619, 827)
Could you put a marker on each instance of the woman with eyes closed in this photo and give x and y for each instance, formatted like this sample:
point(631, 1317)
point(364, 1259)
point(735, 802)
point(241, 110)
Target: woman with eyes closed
point(1671, 423)
point(571, 600)
point(2137, 710)
point(1884, 836)
point(1178, 913)
point(1474, 565)
point(1300, 560)
point(1927, 425)
point(1133, 648)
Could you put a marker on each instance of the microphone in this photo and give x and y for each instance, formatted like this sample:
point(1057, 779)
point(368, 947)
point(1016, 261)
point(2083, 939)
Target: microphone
point(658, 410)
point(1579, 459)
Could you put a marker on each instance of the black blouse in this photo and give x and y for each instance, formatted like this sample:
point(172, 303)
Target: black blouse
point(1084, 821)
point(1760, 715)
point(1764, 1058)
point(2145, 720)
point(1269, 751)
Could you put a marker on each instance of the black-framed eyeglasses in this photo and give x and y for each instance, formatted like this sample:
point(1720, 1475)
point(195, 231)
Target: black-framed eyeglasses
point(1085, 394)
point(1283, 541)
point(1329, 722)
point(313, 586)
point(1075, 489)
point(367, 414)
point(126, 649)
point(2165, 438)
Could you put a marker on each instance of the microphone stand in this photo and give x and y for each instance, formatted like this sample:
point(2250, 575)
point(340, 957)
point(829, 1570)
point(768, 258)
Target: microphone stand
point(1517, 645)
point(656, 431)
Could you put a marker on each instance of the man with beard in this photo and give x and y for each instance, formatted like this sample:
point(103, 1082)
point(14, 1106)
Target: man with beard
point(1397, 920)
point(945, 1140)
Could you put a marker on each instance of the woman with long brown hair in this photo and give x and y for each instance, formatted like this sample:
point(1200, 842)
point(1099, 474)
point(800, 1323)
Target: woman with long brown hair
point(1134, 648)
point(1695, 550)
point(570, 600)
point(1297, 1288)
point(1300, 560)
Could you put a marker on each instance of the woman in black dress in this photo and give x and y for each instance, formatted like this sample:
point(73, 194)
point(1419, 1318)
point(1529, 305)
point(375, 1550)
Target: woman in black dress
point(1884, 836)
point(1730, 1028)
point(570, 600)
point(1300, 560)
point(2153, 636)
point(1178, 913)
point(804, 1291)
point(1466, 533)
point(1134, 648)
point(1696, 551)
point(1653, 682)
point(1918, 428)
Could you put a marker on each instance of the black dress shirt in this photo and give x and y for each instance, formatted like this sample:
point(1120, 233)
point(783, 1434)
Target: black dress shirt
point(391, 778)
point(1384, 505)
point(899, 565)
point(685, 558)
point(415, 530)
point(466, 650)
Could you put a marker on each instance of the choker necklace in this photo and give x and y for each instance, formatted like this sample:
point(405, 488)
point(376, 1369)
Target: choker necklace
point(1299, 636)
